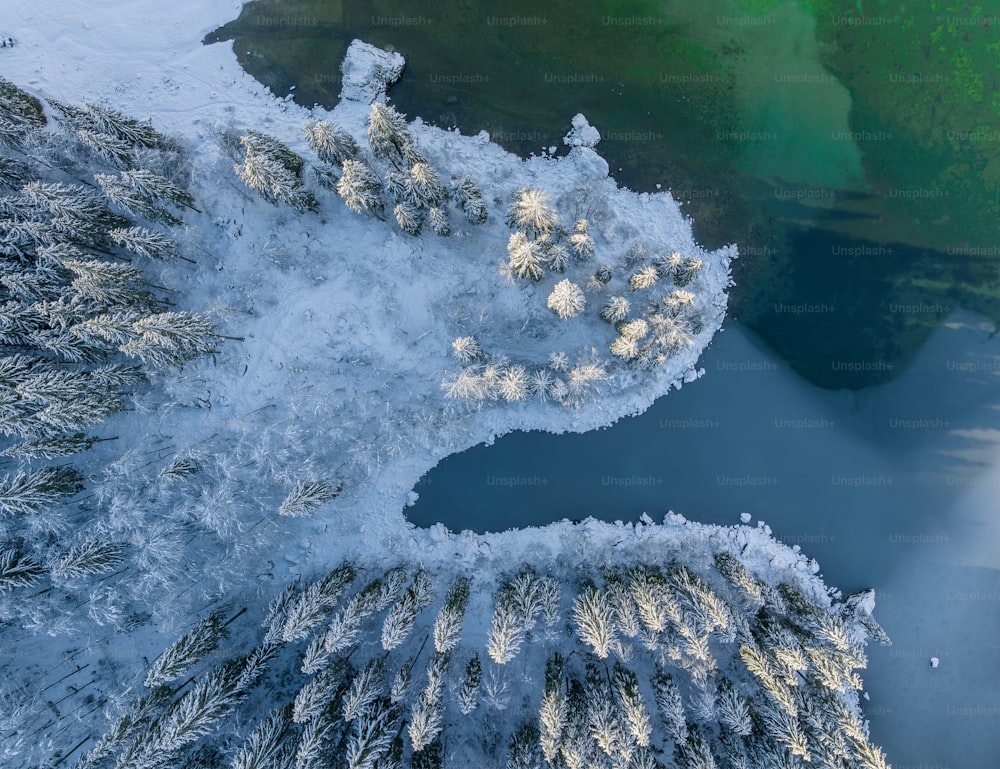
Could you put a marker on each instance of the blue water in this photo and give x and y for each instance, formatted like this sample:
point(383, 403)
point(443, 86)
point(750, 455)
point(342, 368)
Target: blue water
point(893, 487)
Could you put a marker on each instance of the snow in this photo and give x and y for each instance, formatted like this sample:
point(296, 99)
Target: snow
point(346, 326)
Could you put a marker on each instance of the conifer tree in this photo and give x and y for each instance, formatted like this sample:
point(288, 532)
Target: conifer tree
point(330, 142)
point(512, 383)
point(125, 128)
point(469, 197)
point(506, 632)
point(467, 349)
point(144, 242)
point(524, 257)
point(388, 133)
point(266, 746)
point(90, 557)
point(365, 689)
point(594, 619)
point(399, 622)
point(409, 217)
point(425, 720)
point(566, 299)
point(645, 277)
point(471, 679)
point(17, 568)
point(25, 493)
point(308, 496)
point(733, 710)
point(187, 651)
point(626, 688)
point(359, 188)
point(532, 212)
point(312, 605)
point(317, 695)
point(439, 221)
point(448, 625)
point(670, 706)
point(581, 242)
point(371, 737)
point(170, 338)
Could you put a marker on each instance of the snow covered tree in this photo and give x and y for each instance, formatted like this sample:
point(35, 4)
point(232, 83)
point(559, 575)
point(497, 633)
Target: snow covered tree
point(308, 496)
point(425, 720)
point(688, 271)
point(144, 242)
point(399, 622)
point(556, 257)
point(124, 127)
point(92, 556)
point(108, 284)
point(644, 277)
point(314, 744)
point(448, 625)
point(581, 242)
point(319, 692)
point(506, 632)
point(170, 338)
point(371, 737)
point(695, 753)
point(388, 133)
point(117, 152)
point(409, 217)
point(626, 688)
point(616, 309)
point(26, 493)
point(17, 568)
point(594, 619)
point(471, 679)
point(142, 193)
point(330, 142)
point(524, 258)
point(359, 188)
point(469, 197)
point(733, 710)
point(553, 718)
point(467, 349)
point(439, 220)
point(187, 651)
point(311, 606)
point(273, 170)
point(512, 383)
point(626, 348)
point(532, 212)
point(523, 751)
point(267, 745)
point(566, 299)
point(365, 688)
point(670, 706)
point(424, 186)
point(676, 302)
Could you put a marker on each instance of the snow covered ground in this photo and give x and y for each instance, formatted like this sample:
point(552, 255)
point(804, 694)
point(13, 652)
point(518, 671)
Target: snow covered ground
point(346, 325)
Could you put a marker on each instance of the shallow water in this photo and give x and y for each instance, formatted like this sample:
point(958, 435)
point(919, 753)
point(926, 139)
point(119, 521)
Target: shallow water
point(892, 487)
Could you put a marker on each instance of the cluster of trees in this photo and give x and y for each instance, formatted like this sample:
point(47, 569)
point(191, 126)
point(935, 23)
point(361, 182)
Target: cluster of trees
point(484, 378)
point(84, 192)
point(652, 666)
point(392, 174)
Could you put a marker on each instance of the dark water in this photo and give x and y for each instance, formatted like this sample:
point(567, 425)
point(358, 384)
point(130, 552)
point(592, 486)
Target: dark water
point(851, 150)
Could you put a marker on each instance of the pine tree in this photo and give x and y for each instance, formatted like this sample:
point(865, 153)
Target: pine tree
point(440, 223)
point(688, 271)
point(318, 694)
point(676, 303)
point(272, 169)
point(626, 687)
point(581, 242)
point(425, 721)
point(553, 718)
point(307, 496)
point(314, 743)
point(370, 738)
point(470, 198)
point(401, 681)
point(556, 257)
point(108, 284)
point(670, 706)
point(25, 493)
point(278, 612)
point(733, 570)
point(399, 622)
point(523, 751)
point(365, 688)
point(266, 747)
point(532, 212)
point(311, 606)
point(471, 680)
point(524, 258)
point(409, 217)
point(359, 188)
point(467, 349)
point(645, 277)
point(90, 557)
point(187, 651)
point(144, 242)
point(594, 618)
point(330, 142)
point(448, 625)
point(115, 151)
point(17, 568)
point(142, 193)
point(566, 299)
point(694, 753)
point(506, 632)
point(170, 338)
point(388, 133)
point(733, 710)
point(424, 186)
point(125, 128)
point(512, 383)
point(195, 714)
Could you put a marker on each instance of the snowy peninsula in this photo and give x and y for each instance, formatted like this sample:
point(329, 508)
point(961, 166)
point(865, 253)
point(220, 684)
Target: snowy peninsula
point(299, 312)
